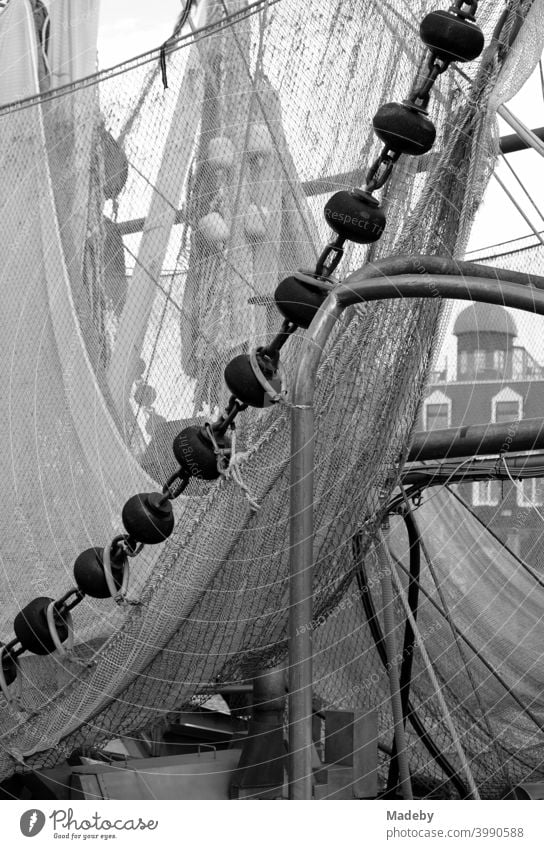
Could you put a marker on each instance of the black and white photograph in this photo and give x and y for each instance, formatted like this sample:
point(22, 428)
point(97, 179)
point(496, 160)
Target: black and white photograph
point(272, 422)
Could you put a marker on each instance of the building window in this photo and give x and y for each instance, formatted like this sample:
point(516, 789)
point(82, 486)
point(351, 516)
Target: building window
point(479, 361)
point(506, 411)
point(507, 406)
point(486, 493)
point(499, 360)
point(437, 416)
point(463, 362)
point(530, 492)
point(437, 411)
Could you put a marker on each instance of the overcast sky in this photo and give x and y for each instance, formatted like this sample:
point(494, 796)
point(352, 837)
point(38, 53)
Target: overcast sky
point(131, 27)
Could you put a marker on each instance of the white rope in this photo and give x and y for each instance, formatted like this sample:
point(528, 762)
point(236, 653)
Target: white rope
point(118, 595)
point(418, 639)
point(233, 472)
point(65, 650)
point(274, 394)
point(519, 488)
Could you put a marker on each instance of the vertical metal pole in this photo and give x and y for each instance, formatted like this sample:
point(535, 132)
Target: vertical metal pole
point(450, 279)
point(301, 564)
point(300, 604)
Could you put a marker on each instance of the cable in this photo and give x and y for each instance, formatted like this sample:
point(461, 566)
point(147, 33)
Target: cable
point(408, 644)
point(458, 643)
point(401, 756)
point(520, 489)
point(518, 207)
point(436, 685)
point(376, 632)
point(521, 184)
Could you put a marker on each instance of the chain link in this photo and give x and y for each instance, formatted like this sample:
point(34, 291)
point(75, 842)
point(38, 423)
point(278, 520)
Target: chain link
point(470, 14)
point(422, 93)
point(380, 170)
point(227, 459)
point(335, 250)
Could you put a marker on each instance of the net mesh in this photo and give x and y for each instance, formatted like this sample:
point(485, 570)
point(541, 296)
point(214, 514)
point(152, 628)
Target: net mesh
point(145, 231)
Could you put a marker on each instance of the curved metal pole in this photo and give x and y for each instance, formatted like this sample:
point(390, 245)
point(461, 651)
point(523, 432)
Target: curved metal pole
point(413, 277)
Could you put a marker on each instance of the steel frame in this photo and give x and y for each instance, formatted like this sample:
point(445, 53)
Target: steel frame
point(402, 277)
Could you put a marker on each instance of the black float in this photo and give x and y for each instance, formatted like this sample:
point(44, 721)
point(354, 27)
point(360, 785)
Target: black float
point(195, 452)
point(32, 629)
point(451, 37)
point(404, 128)
point(148, 518)
point(356, 216)
point(90, 574)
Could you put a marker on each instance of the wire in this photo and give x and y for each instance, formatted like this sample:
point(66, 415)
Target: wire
point(521, 184)
point(518, 207)
point(430, 670)
point(500, 245)
point(519, 488)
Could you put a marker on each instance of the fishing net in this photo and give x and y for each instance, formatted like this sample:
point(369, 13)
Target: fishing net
point(149, 212)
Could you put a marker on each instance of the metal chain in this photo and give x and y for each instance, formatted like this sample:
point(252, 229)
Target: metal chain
point(470, 14)
point(378, 174)
point(381, 169)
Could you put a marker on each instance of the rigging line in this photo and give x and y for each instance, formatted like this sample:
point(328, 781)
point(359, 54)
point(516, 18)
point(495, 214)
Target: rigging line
point(408, 646)
point(182, 311)
point(131, 64)
point(493, 671)
point(500, 244)
point(509, 253)
point(524, 132)
point(518, 207)
point(430, 669)
point(522, 185)
point(305, 223)
point(153, 186)
point(403, 778)
point(367, 603)
point(541, 71)
point(161, 321)
point(460, 649)
point(519, 488)
point(528, 568)
point(448, 479)
point(499, 744)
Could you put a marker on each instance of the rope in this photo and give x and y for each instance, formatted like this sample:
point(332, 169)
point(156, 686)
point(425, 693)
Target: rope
point(524, 189)
point(434, 680)
point(270, 390)
point(228, 465)
point(519, 488)
point(518, 207)
point(405, 782)
point(458, 642)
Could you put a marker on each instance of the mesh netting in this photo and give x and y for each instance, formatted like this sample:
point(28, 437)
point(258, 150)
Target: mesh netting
point(145, 231)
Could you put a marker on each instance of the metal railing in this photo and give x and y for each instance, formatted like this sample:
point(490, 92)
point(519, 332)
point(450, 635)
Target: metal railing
point(402, 277)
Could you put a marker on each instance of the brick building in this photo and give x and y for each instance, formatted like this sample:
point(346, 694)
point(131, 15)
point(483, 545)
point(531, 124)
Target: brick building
point(496, 380)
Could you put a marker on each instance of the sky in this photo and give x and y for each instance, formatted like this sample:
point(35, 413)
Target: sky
point(130, 27)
